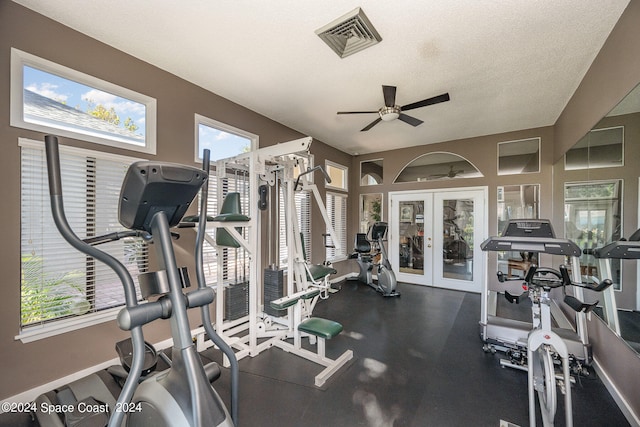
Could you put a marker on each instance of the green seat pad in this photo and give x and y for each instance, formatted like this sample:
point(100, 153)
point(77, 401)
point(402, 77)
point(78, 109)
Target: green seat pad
point(311, 293)
point(319, 327)
point(195, 218)
point(231, 217)
point(282, 303)
point(318, 272)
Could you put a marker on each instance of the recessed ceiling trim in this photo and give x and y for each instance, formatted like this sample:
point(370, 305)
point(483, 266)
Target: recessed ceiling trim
point(350, 33)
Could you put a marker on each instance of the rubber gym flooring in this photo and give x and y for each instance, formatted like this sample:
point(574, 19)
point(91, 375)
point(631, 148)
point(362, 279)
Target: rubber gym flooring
point(418, 361)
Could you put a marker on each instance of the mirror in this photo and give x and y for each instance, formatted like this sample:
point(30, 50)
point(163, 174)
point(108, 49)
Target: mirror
point(371, 172)
point(370, 210)
point(597, 183)
point(516, 202)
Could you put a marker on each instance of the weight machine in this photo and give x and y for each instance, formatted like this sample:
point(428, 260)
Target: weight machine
point(249, 335)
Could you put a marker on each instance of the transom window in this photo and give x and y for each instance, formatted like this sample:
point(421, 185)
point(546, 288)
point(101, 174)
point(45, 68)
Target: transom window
point(338, 175)
point(223, 140)
point(50, 98)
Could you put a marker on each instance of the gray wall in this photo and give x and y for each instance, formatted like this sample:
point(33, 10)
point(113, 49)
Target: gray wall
point(615, 71)
point(25, 366)
point(613, 74)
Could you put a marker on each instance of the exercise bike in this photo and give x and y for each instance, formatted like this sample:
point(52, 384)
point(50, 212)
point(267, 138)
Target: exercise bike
point(371, 255)
point(544, 346)
point(153, 198)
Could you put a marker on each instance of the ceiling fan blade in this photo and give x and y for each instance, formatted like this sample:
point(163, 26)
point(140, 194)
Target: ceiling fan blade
point(430, 101)
point(411, 120)
point(356, 112)
point(389, 93)
point(370, 125)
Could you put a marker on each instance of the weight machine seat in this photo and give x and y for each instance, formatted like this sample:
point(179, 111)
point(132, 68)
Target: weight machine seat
point(290, 300)
point(230, 211)
point(316, 272)
point(319, 327)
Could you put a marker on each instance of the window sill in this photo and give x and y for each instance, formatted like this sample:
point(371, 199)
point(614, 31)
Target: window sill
point(35, 333)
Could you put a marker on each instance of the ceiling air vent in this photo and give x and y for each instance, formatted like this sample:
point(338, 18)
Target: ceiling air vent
point(349, 34)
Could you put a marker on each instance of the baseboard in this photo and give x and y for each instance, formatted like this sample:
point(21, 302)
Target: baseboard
point(30, 395)
point(622, 403)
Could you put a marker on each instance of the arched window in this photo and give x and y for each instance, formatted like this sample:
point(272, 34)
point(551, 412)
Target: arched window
point(438, 166)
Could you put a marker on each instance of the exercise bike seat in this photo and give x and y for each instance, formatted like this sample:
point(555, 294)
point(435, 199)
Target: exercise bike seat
point(363, 246)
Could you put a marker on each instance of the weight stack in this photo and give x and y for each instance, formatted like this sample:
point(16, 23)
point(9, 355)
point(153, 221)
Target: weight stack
point(273, 289)
point(236, 301)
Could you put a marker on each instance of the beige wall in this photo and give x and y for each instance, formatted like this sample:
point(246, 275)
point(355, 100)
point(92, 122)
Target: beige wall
point(25, 366)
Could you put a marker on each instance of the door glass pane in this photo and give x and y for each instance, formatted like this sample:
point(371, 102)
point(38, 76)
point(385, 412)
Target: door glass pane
point(457, 246)
point(411, 253)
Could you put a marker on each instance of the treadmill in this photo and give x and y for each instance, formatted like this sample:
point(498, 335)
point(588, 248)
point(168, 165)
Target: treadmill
point(510, 335)
point(621, 249)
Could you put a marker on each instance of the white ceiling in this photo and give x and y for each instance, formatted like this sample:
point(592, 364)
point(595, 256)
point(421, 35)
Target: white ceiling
point(507, 64)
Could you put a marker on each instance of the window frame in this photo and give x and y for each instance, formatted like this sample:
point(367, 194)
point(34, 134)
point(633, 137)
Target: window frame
point(345, 174)
point(20, 59)
point(206, 121)
point(52, 327)
point(513, 143)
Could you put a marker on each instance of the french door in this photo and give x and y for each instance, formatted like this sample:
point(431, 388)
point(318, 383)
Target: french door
point(435, 237)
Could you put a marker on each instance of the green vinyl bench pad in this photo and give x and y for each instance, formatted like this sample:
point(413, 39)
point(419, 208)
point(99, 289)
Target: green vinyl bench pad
point(289, 300)
point(317, 272)
point(319, 327)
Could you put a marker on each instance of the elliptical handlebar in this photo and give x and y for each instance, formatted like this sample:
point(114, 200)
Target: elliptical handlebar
point(57, 210)
point(202, 285)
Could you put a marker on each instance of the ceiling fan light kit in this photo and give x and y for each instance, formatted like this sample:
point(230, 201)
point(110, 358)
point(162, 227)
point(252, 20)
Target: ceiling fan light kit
point(388, 114)
point(391, 111)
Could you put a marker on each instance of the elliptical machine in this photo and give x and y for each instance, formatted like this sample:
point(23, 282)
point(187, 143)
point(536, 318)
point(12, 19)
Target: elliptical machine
point(368, 248)
point(153, 198)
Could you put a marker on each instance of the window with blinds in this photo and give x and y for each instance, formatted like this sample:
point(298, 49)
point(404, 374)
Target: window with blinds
point(336, 205)
point(58, 281)
point(303, 207)
point(235, 262)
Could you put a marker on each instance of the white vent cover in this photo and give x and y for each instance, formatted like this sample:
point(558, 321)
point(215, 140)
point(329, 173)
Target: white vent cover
point(349, 34)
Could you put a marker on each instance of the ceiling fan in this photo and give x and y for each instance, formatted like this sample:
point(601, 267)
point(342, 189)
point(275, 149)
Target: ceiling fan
point(391, 111)
point(451, 174)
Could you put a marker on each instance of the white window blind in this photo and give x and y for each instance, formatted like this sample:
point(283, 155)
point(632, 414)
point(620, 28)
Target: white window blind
point(303, 207)
point(57, 280)
point(336, 205)
point(235, 262)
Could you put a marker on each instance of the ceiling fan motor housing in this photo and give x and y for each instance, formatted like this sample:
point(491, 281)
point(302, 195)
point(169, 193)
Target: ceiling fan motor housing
point(388, 114)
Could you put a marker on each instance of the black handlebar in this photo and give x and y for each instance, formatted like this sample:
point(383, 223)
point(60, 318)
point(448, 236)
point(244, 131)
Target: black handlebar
point(326, 175)
point(53, 165)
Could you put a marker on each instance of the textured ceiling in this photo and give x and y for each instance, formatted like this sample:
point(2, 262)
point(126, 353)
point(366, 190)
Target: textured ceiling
point(507, 64)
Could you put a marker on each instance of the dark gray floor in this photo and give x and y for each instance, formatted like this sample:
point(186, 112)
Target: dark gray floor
point(418, 361)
